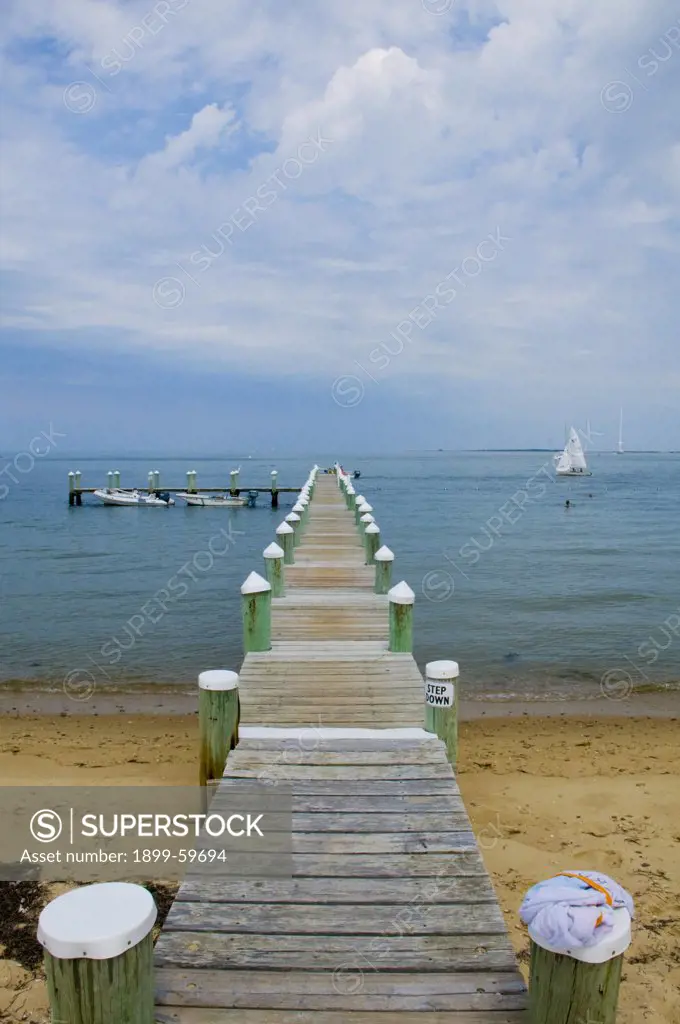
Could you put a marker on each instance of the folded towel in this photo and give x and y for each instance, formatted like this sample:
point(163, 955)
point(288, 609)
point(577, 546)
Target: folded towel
point(574, 909)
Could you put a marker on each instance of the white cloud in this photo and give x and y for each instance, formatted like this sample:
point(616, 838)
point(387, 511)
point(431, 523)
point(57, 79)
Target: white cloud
point(443, 129)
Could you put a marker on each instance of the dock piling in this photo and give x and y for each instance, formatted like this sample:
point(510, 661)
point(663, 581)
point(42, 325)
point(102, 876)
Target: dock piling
point(384, 559)
point(294, 521)
point(441, 704)
point(99, 954)
point(582, 985)
point(116, 478)
point(151, 481)
point(275, 488)
point(401, 599)
point(233, 482)
point(71, 486)
point(371, 542)
point(218, 721)
point(273, 561)
point(257, 613)
point(286, 536)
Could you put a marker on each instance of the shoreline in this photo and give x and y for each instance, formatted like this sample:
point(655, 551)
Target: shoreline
point(182, 700)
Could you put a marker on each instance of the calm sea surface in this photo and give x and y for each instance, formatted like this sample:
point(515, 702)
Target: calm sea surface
point(529, 596)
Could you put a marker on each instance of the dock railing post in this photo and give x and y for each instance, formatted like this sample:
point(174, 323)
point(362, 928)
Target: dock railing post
point(275, 488)
point(401, 599)
point(351, 496)
point(99, 954)
point(218, 720)
point(293, 520)
point(582, 984)
point(299, 510)
point(372, 542)
point(286, 537)
point(441, 704)
point(273, 561)
point(384, 559)
point(358, 503)
point(257, 614)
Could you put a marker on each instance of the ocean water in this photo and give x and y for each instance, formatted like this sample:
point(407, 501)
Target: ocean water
point(531, 597)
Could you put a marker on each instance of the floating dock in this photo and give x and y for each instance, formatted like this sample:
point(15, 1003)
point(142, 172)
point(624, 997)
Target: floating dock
point(154, 486)
point(390, 915)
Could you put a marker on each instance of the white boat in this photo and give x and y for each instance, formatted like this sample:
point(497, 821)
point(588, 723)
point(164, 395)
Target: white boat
point(118, 496)
point(214, 500)
point(620, 450)
point(572, 461)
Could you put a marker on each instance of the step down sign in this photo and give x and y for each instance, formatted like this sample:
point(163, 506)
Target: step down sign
point(439, 695)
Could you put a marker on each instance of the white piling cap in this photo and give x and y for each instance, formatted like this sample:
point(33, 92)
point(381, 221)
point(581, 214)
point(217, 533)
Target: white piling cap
point(275, 472)
point(350, 489)
point(360, 499)
point(233, 472)
point(372, 528)
point(298, 507)
point(401, 594)
point(384, 554)
point(292, 517)
point(284, 528)
point(73, 474)
point(218, 679)
point(97, 922)
point(365, 507)
point(368, 518)
point(274, 551)
point(607, 948)
point(255, 584)
point(442, 670)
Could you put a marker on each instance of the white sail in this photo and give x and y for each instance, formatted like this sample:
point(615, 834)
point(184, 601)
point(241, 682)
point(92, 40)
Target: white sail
point(574, 449)
point(572, 461)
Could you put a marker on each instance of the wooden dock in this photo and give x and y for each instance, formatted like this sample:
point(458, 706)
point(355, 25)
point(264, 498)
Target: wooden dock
point(390, 914)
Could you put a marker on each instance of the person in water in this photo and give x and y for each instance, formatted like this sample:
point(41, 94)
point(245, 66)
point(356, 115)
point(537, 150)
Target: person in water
point(567, 503)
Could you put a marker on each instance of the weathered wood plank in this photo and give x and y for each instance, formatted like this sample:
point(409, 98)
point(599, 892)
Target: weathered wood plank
point(191, 1015)
point(449, 889)
point(262, 951)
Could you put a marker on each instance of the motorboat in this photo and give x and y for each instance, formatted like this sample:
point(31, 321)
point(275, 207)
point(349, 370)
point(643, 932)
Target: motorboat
point(119, 496)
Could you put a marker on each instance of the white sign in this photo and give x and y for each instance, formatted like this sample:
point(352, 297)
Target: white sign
point(439, 695)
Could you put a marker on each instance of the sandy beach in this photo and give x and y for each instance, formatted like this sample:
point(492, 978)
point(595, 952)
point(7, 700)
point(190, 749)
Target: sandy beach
point(544, 794)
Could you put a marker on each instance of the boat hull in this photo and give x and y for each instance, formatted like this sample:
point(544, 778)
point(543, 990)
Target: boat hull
point(131, 499)
point(206, 501)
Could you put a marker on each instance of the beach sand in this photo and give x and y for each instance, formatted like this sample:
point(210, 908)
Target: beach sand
point(544, 794)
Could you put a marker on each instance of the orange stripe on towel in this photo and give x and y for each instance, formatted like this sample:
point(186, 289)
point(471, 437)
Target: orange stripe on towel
point(592, 885)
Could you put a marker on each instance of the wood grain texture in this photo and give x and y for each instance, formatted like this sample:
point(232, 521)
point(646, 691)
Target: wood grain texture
point(389, 914)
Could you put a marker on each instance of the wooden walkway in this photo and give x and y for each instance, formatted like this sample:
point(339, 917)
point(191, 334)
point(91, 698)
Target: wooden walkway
point(390, 914)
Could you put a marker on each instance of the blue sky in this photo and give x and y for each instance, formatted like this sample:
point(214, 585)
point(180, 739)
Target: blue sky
point(391, 225)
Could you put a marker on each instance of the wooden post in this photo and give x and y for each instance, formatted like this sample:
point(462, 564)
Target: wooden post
point(233, 482)
point(151, 481)
point(99, 954)
point(273, 561)
point(218, 718)
point(383, 570)
point(116, 478)
point(372, 539)
point(441, 704)
point(257, 614)
point(293, 520)
point(77, 483)
point(109, 479)
point(71, 485)
point(359, 501)
point(299, 510)
point(401, 600)
point(157, 479)
point(304, 502)
point(286, 535)
point(581, 985)
point(351, 498)
point(275, 488)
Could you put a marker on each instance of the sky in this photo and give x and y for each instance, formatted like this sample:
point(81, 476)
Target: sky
point(371, 225)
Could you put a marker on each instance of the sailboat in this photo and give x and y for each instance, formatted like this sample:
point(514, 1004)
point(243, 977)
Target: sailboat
point(572, 461)
point(619, 448)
